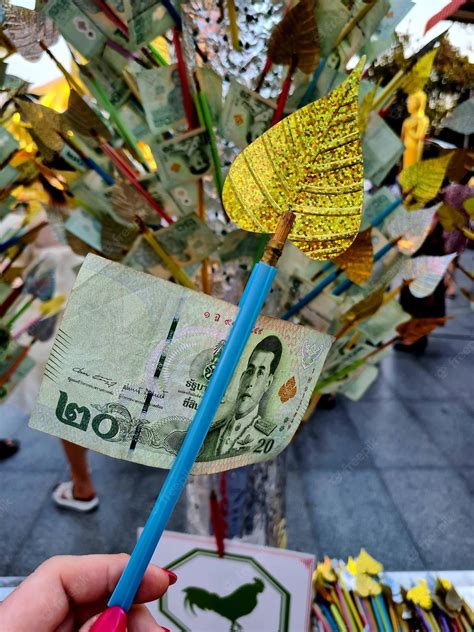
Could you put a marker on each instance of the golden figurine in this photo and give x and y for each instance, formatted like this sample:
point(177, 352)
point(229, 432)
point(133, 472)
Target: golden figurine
point(414, 128)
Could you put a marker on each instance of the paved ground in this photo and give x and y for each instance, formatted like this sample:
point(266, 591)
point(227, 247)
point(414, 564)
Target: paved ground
point(393, 472)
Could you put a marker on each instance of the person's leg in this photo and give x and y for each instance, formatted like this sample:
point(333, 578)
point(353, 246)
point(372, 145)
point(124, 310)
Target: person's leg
point(83, 487)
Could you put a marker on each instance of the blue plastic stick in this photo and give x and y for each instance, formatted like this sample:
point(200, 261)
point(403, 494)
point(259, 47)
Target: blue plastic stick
point(251, 303)
point(378, 255)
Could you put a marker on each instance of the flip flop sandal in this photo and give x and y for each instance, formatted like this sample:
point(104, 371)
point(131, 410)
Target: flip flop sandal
point(63, 497)
point(8, 447)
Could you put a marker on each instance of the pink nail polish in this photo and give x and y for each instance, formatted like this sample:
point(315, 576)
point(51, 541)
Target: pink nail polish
point(165, 629)
point(114, 619)
point(173, 578)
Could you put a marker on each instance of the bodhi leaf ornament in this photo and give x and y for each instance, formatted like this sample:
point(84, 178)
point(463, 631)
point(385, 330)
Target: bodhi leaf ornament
point(309, 163)
point(417, 328)
point(84, 121)
point(423, 180)
point(357, 260)
point(296, 38)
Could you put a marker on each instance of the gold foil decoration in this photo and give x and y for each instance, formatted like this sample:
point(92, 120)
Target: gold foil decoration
point(26, 28)
point(309, 163)
point(296, 39)
point(422, 181)
point(47, 126)
point(451, 218)
point(358, 259)
point(83, 120)
point(127, 202)
point(366, 108)
point(420, 595)
point(364, 308)
point(420, 73)
point(469, 207)
point(364, 568)
point(417, 328)
point(365, 563)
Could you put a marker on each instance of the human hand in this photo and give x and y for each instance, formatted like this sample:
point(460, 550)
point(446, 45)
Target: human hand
point(66, 593)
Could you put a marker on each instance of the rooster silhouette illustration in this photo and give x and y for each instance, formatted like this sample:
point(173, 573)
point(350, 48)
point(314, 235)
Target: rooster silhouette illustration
point(238, 604)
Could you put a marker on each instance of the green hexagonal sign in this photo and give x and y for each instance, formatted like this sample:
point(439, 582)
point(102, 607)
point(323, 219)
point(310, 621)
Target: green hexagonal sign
point(251, 588)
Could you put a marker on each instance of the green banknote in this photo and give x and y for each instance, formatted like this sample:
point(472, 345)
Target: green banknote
point(85, 227)
point(146, 20)
point(162, 98)
point(101, 19)
point(382, 325)
point(246, 115)
point(378, 163)
point(113, 85)
point(8, 175)
point(184, 158)
point(188, 241)
point(21, 371)
point(374, 204)
point(134, 354)
point(7, 144)
point(212, 87)
point(76, 27)
point(6, 205)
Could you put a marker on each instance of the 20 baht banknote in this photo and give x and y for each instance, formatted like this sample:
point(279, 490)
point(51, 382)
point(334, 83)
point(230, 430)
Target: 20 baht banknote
point(134, 354)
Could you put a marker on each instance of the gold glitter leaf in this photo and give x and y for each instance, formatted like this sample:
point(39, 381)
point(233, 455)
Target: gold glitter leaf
point(451, 218)
point(25, 28)
point(46, 124)
point(366, 108)
point(420, 73)
point(423, 180)
point(357, 260)
point(364, 308)
point(310, 163)
point(83, 120)
point(296, 38)
point(417, 328)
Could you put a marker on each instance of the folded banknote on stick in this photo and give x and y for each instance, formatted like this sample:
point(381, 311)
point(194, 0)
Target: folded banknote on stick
point(134, 354)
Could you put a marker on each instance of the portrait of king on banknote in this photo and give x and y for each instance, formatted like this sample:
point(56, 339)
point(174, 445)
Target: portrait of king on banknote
point(247, 428)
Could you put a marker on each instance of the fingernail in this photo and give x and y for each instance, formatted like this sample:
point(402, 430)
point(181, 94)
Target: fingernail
point(114, 619)
point(173, 578)
point(165, 629)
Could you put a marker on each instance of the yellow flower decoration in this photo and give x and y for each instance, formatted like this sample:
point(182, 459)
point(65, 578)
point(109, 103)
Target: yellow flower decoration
point(420, 595)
